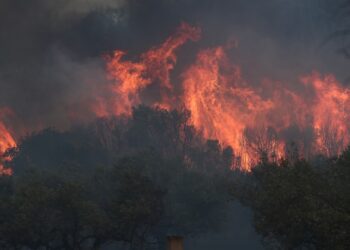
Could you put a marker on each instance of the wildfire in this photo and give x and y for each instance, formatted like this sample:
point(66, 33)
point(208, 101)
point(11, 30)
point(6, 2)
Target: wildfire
point(271, 120)
point(6, 142)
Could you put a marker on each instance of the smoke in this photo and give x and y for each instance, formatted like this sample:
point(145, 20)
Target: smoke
point(46, 66)
point(50, 51)
point(70, 8)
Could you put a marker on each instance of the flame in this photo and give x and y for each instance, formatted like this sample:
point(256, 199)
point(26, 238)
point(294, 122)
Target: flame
point(6, 142)
point(221, 104)
point(330, 112)
point(253, 120)
point(154, 66)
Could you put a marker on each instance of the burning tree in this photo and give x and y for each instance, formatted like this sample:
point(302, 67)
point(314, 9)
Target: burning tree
point(262, 143)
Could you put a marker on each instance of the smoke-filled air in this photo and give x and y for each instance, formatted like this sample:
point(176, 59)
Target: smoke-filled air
point(174, 125)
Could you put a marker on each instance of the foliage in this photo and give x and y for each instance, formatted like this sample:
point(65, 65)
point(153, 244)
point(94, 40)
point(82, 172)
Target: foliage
point(136, 180)
point(118, 180)
point(303, 206)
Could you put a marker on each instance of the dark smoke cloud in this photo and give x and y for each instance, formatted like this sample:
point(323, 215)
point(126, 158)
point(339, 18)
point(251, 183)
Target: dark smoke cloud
point(50, 51)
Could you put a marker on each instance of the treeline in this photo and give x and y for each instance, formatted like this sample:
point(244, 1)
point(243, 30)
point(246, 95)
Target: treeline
point(138, 202)
point(134, 180)
point(129, 181)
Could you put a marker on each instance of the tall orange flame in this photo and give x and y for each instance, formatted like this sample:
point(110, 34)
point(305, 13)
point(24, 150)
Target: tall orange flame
point(221, 105)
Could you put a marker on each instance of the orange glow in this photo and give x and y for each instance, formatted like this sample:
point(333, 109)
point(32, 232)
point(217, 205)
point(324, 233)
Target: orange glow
point(330, 112)
point(6, 142)
point(271, 119)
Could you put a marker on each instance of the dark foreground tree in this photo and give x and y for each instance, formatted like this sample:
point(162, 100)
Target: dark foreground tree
point(137, 203)
point(302, 206)
point(46, 211)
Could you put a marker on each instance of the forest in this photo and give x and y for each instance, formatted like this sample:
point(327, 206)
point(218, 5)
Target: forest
point(134, 181)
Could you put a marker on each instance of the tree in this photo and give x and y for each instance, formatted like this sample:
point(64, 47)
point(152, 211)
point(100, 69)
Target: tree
point(303, 206)
point(46, 212)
